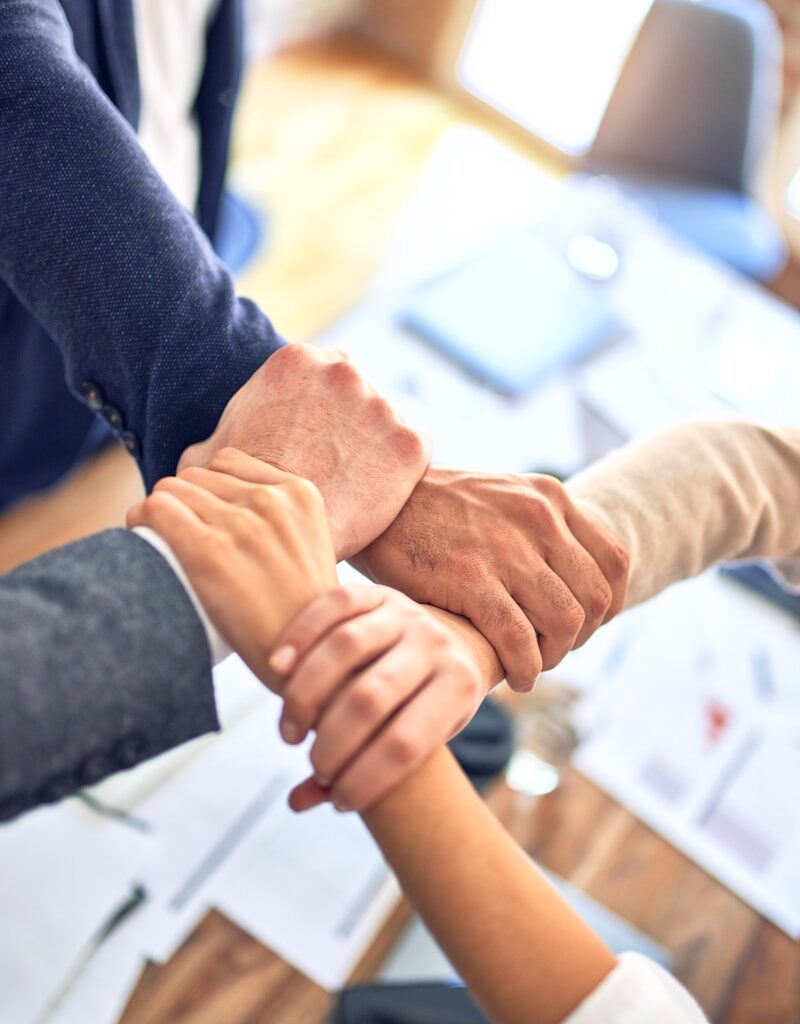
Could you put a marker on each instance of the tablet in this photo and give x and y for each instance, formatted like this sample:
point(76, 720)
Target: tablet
point(512, 315)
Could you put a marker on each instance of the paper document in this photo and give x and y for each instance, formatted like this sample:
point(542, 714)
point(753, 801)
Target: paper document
point(313, 887)
point(697, 731)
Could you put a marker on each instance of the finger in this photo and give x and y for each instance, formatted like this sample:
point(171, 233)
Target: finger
point(330, 664)
point(203, 503)
point(244, 467)
point(231, 489)
point(507, 628)
point(608, 553)
point(307, 795)
point(172, 520)
point(582, 576)
point(405, 742)
point(136, 514)
point(554, 612)
point(327, 611)
point(366, 704)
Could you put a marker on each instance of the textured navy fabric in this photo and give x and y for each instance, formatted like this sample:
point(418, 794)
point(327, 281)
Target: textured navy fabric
point(104, 278)
point(103, 663)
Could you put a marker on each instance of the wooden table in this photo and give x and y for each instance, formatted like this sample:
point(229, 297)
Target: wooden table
point(330, 138)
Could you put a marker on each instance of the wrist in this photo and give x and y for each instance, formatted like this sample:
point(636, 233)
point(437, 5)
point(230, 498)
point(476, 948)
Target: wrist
point(218, 647)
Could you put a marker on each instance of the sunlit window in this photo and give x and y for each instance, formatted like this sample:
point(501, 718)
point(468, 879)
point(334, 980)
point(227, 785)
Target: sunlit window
point(551, 65)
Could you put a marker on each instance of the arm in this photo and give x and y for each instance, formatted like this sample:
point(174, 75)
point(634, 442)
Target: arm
point(147, 318)
point(519, 947)
point(524, 954)
point(103, 663)
point(512, 554)
point(104, 659)
point(695, 495)
point(95, 246)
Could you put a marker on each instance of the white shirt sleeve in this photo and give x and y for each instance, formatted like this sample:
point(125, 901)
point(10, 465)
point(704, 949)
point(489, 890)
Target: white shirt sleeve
point(638, 991)
point(217, 645)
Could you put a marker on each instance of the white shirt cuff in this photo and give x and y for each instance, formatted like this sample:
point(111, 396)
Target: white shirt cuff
point(638, 990)
point(217, 645)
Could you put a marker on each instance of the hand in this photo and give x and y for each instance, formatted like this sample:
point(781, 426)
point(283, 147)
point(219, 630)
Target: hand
point(383, 683)
point(254, 542)
point(513, 554)
point(308, 411)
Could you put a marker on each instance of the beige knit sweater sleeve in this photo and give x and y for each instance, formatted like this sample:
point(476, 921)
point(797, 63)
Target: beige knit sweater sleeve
point(697, 494)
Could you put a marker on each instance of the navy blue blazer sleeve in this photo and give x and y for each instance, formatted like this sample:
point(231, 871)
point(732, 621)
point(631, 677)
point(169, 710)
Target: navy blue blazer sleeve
point(103, 663)
point(98, 250)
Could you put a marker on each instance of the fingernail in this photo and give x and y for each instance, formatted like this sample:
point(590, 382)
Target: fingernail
point(283, 659)
point(342, 806)
point(290, 732)
point(323, 781)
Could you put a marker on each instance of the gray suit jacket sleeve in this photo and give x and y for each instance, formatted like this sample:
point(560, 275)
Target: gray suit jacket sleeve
point(103, 663)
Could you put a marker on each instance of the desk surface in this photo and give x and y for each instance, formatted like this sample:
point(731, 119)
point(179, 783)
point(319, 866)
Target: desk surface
point(331, 138)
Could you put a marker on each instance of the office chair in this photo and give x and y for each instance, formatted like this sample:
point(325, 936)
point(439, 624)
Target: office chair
point(689, 121)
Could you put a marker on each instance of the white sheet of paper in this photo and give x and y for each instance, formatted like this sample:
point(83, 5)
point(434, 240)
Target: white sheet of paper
point(313, 887)
point(699, 735)
point(63, 873)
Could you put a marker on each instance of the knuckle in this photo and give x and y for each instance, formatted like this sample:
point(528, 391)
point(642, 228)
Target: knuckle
point(468, 683)
point(572, 618)
point(619, 562)
point(525, 682)
point(225, 457)
point(518, 635)
point(158, 503)
point(342, 374)
point(600, 598)
point(522, 675)
point(290, 356)
point(305, 493)
point(347, 641)
point(408, 444)
point(403, 748)
point(243, 523)
point(262, 501)
point(549, 486)
point(346, 599)
point(544, 515)
point(366, 700)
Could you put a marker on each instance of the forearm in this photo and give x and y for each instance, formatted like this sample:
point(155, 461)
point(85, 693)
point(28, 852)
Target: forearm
point(95, 246)
point(521, 950)
point(695, 495)
point(104, 663)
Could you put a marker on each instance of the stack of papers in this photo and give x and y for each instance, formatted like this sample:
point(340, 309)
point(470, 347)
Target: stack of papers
point(88, 899)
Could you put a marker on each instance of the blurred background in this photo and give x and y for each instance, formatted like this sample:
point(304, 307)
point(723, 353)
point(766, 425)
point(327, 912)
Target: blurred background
point(542, 230)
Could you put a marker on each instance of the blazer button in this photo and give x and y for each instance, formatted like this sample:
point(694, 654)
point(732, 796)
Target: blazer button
point(130, 751)
point(94, 768)
point(56, 789)
point(92, 395)
point(114, 417)
point(131, 442)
